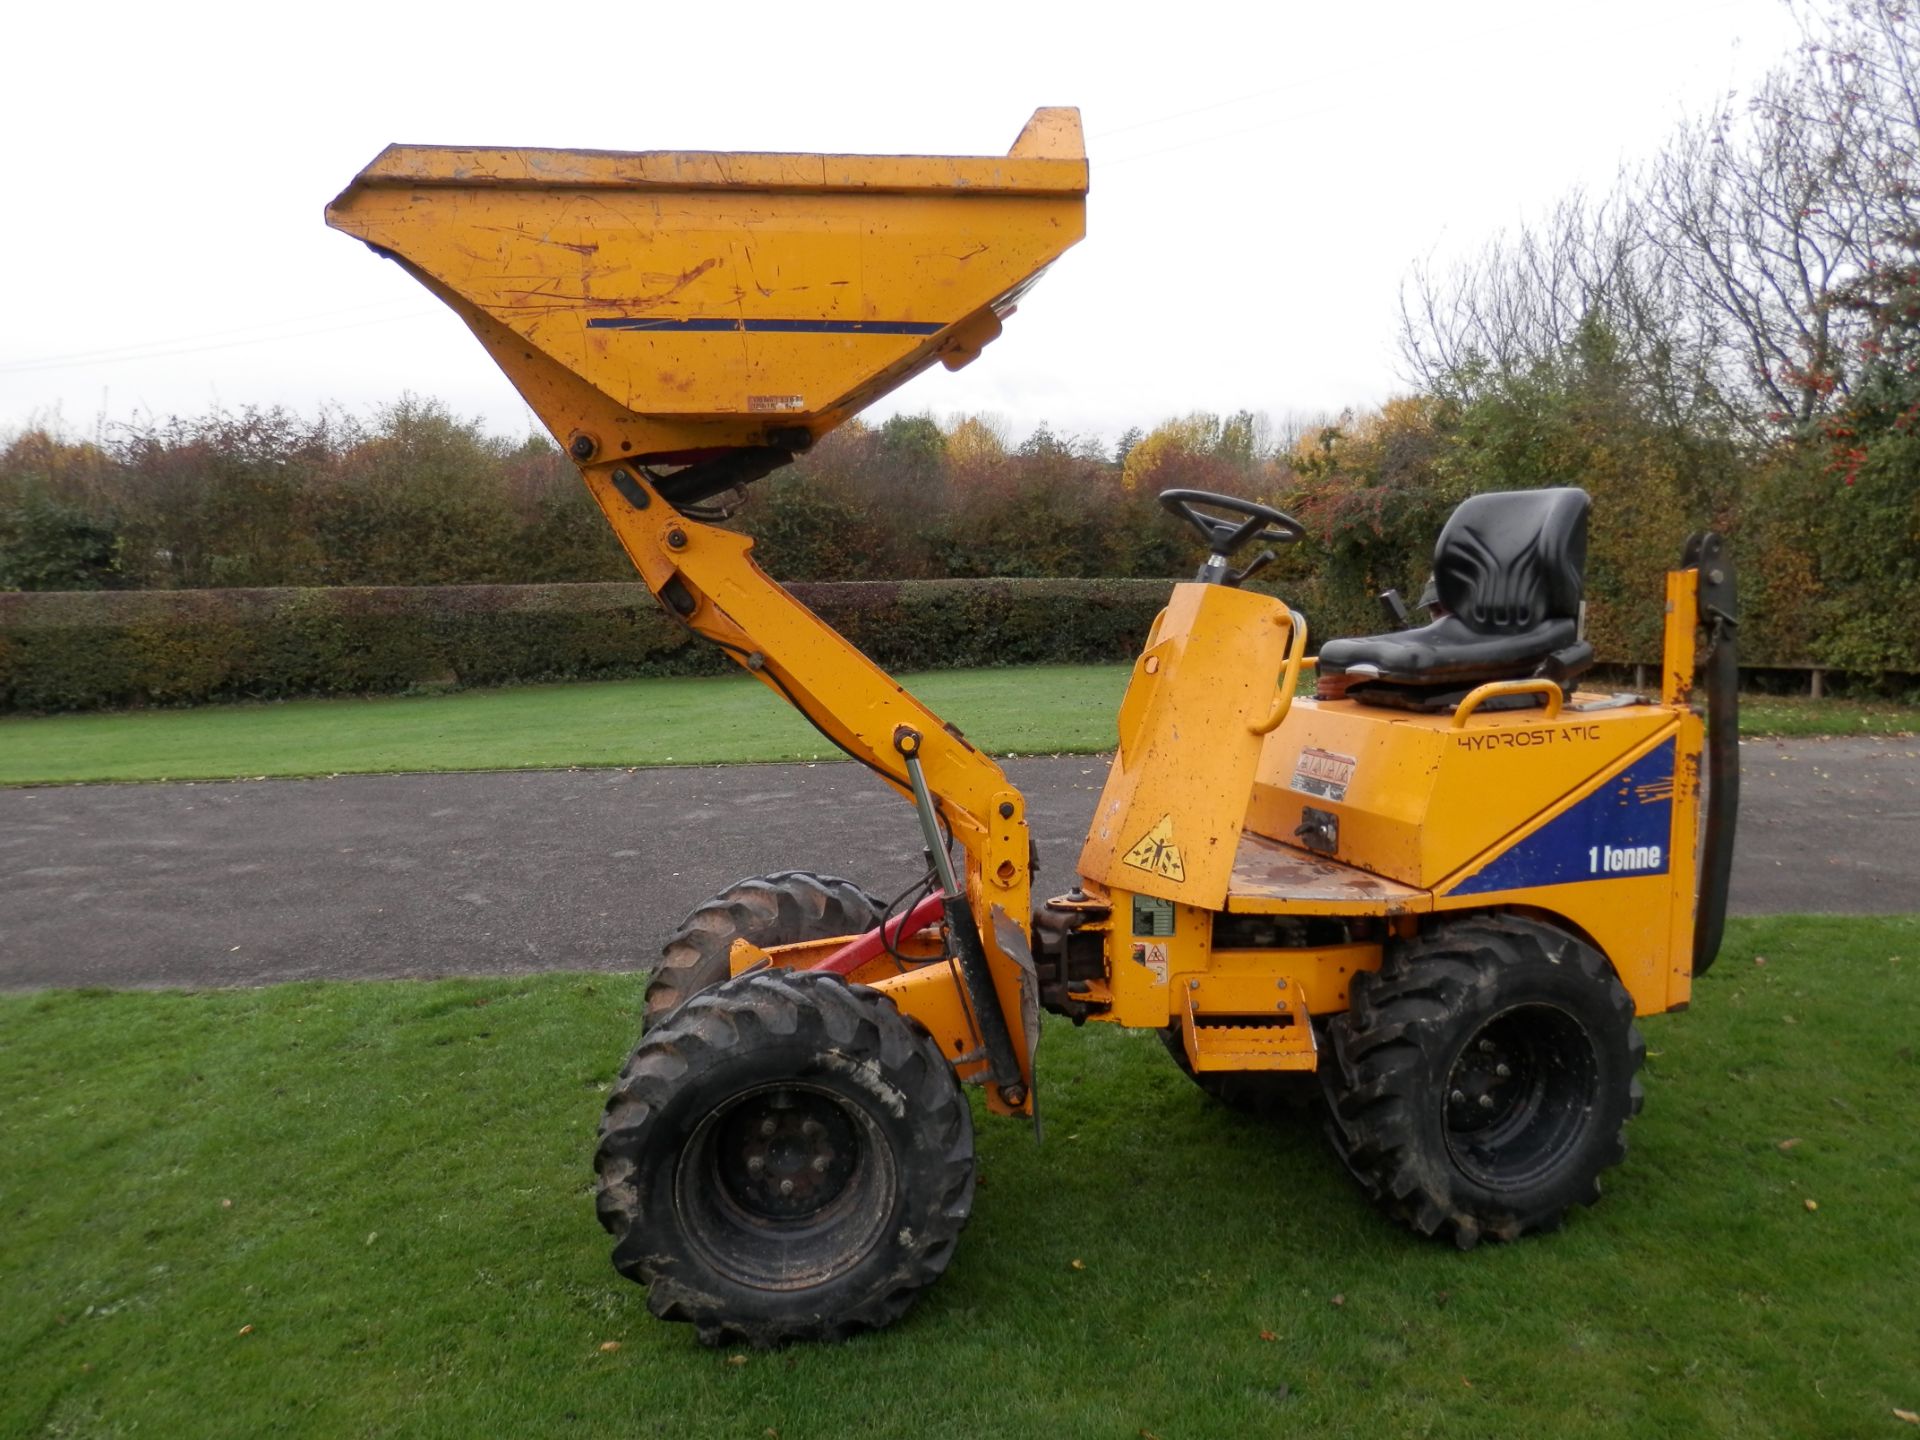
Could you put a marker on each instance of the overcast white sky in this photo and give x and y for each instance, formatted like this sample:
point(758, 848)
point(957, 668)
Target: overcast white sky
point(1264, 175)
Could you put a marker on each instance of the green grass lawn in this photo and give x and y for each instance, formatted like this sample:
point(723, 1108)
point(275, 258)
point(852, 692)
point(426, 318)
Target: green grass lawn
point(1798, 715)
point(684, 721)
point(1041, 709)
point(363, 1209)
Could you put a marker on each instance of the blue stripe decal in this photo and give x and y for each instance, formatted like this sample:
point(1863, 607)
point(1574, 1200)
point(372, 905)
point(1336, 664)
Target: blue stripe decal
point(721, 323)
point(1621, 830)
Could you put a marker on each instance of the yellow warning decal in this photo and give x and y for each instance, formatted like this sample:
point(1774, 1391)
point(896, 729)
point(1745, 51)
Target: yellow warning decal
point(1155, 852)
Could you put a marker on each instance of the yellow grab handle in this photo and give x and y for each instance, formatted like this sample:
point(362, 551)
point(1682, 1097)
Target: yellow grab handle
point(1289, 678)
point(1556, 697)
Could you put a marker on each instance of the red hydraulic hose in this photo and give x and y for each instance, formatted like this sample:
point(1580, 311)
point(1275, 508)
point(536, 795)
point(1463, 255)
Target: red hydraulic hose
point(857, 952)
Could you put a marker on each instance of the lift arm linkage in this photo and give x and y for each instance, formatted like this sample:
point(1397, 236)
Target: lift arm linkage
point(707, 578)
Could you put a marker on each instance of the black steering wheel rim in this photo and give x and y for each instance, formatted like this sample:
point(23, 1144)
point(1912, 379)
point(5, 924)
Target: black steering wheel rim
point(1263, 524)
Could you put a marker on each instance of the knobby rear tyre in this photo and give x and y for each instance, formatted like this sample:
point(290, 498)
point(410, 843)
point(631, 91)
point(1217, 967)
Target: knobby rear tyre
point(1479, 1084)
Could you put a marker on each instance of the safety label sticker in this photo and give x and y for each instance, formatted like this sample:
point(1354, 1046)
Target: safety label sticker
point(1156, 853)
point(1324, 773)
point(1154, 958)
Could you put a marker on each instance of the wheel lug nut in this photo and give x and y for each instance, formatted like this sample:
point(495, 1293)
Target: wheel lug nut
point(1486, 1047)
point(767, 1127)
point(811, 1129)
point(1502, 1071)
point(820, 1164)
point(1486, 1102)
point(756, 1163)
point(786, 1187)
point(1457, 1097)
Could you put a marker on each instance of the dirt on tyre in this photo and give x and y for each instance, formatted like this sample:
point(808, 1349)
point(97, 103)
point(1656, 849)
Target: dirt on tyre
point(1479, 1084)
point(786, 1157)
point(765, 910)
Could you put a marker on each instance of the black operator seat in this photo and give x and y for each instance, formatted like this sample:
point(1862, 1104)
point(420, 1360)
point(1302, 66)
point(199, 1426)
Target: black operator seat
point(1508, 572)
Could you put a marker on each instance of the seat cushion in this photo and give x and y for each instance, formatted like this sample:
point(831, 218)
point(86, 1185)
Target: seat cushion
point(1447, 650)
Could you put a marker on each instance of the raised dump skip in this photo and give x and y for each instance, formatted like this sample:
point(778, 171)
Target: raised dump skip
point(721, 307)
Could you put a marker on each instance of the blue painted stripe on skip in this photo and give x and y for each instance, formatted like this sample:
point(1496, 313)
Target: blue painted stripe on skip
point(720, 323)
point(1631, 812)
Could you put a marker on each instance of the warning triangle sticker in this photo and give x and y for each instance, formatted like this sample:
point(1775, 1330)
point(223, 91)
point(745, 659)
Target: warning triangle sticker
point(1156, 853)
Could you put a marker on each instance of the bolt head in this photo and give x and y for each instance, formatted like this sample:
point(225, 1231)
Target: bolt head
point(786, 1187)
point(820, 1163)
point(1486, 1102)
point(1006, 810)
point(676, 539)
point(1503, 1071)
point(581, 447)
point(756, 1163)
point(767, 1127)
point(1457, 1097)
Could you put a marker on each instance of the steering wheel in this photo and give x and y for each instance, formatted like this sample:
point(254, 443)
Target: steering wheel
point(1262, 524)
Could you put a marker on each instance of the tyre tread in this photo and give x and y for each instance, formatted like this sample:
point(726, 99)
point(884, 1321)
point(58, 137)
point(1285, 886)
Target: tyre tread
point(729, 1018)
point(1373, 1068)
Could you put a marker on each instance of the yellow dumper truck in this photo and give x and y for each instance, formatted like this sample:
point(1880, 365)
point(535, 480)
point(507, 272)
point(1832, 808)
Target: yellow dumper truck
point(1435, 895)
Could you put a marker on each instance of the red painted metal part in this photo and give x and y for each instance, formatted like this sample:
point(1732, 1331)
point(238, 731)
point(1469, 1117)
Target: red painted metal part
point(857, 952)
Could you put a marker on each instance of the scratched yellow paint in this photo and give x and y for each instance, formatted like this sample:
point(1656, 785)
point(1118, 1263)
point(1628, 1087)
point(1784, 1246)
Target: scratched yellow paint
point(667, 303)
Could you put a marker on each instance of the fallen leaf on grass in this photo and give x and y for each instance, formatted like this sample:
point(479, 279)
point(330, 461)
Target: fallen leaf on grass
point(1907, 1415)
point(1078, 1264)
point(607, 1347)
point(1338, 1301)
point(736, 1359)
point(1811, 1203)
point(1268, 1335)
point(246, 1329)
point(1759, 959)
point(226, 1204)
point(1148, 1435)
point(1789, 1143)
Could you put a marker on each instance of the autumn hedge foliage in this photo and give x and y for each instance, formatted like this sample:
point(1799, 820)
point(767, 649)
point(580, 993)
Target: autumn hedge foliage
point(267, 555)
point(73, 650)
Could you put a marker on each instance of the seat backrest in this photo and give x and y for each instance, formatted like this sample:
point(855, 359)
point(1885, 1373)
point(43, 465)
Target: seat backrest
point(1510, 560)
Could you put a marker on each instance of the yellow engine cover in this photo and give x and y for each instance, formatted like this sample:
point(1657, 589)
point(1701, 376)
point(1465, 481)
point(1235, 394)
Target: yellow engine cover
point(1170, 817)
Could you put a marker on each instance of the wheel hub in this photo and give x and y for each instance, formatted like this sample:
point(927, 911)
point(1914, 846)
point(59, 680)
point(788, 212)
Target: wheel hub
point(784, 1185)
point(786, 1154)
point(1519, 1095)
point(1484, 1088)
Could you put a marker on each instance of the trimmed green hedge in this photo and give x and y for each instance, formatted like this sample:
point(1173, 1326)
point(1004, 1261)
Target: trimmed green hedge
point(85, 650)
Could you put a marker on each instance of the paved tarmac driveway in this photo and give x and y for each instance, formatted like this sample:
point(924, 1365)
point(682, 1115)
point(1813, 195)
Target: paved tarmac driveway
point(374, 876)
